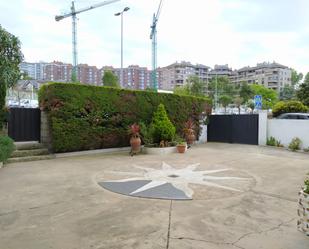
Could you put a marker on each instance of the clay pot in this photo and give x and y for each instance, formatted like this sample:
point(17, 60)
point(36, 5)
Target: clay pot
point(135, 142)
point(181, 148)
point(190, 137)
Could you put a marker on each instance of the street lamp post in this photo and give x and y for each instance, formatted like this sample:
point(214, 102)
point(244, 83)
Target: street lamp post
point(121, 70)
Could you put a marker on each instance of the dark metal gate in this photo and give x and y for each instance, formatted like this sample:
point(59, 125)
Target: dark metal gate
point(241, 129)
point(24, 124)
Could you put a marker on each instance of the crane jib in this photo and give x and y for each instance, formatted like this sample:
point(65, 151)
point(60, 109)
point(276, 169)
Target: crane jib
point(60, 17)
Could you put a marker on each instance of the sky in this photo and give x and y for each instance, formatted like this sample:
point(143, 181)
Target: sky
point(234, 32)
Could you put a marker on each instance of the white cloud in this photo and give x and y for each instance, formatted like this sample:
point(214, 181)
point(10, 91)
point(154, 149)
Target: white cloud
point(236, 32)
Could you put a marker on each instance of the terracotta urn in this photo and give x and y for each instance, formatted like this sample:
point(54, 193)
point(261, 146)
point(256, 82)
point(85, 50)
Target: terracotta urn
point(181, 148)
point(190, 137)
point(135, 142)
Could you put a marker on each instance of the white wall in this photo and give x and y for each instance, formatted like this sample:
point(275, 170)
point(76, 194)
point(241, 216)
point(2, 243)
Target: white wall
point(285, 130)
point(203, 137)
point(262, 127)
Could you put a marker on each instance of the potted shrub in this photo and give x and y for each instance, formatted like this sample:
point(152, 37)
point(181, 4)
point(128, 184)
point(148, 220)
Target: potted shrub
point(181, 144)
point(181, 147)
point(135, 140)
point(162, 133)
point(162, 129)
point(303, 209)
point(189, 132)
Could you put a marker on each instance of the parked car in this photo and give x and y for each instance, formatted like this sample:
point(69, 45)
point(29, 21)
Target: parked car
point(294, 116)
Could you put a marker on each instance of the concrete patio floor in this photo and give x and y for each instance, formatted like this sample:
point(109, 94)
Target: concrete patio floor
point(59, 204)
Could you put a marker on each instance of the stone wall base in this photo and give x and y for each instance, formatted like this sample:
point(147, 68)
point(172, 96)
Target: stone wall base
point(303, 213)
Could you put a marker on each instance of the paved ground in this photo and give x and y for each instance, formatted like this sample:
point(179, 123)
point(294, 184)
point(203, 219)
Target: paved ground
point(59, 204)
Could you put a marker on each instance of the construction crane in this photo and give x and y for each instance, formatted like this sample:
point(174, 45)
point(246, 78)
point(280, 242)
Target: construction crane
point(73, 13)
point(153, 37)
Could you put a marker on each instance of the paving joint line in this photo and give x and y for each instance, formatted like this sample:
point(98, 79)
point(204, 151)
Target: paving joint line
point(239, 239)
point(169, 225)
point(274, 196)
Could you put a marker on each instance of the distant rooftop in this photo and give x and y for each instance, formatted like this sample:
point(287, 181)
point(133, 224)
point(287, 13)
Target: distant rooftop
point(263, 65)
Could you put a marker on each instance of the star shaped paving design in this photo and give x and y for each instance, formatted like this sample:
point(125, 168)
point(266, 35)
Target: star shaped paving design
point(168, 181)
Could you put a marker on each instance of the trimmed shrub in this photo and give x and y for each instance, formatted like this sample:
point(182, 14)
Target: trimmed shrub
point(271, 141)
point(88, 117)
point(6, 148)
point(295, 144)
point(161, 127)
point(289, 106)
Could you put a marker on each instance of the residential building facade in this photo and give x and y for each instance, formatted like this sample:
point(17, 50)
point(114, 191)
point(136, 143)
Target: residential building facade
point(57, 71)
point(88, 74)
point(177, 74)
point(34, 70)
point(135, 77)
point(271, 75)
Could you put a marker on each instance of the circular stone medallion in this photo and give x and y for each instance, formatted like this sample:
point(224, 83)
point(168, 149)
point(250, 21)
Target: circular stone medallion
point(173, 184)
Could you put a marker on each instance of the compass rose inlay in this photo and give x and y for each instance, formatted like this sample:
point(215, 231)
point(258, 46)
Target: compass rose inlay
point(168, 182)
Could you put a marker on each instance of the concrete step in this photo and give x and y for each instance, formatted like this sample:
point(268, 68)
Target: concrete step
point(25, 153)
point(29, 158)
point(32, 145)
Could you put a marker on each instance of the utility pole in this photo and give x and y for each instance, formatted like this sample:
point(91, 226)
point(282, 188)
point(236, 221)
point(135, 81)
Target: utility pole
point(121, 72)
point(216, 93)
point(74, 43)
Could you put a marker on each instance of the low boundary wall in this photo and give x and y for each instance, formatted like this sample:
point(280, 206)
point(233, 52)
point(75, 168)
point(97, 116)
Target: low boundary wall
point(285, 130)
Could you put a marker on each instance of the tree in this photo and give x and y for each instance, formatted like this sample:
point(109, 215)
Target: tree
point(246, 92)
point(110, 79)
point(182, 90)
point(225, 100)
point(288, 106)
point(303, 91)
point(10, 58)
point(238, 101)
point(161, 127)
point(25, 76)
point(222, 86)
point(296, 77)
point(269, 96)
point(287, 93)
point(196, 86)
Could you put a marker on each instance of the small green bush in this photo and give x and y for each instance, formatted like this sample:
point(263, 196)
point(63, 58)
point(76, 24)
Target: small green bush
point(162, 127)
point(271, 141)
point(306, 187)
point(289, 106)
point(295, 144)
point(6, 148)
point(279, 144)
point(306, 149)
point(145, 133)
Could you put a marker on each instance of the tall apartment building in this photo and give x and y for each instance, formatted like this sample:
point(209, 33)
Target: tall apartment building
point(176, 74)
point(271, 75)
point(221, 70)
point(61, 72)
point(88, 74)
point(57, 71)
point(34, 70)
point(134, 76)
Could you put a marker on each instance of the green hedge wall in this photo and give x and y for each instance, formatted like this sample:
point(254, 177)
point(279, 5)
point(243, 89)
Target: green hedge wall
point(87, 117)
